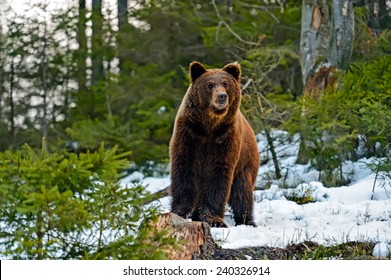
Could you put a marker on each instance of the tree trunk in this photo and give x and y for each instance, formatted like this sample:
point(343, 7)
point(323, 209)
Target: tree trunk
point(97, 42)
point(1, 97)
point(40, 236)
point(122, 33)
point(44, 65)
point(326, 43)
point(315, 36)
point(198, 241)
point(384, 15)
point(273, 153)
point(122, 13)
point(378, 15)
point(12, 105)
point(82, 53)
point(2, 58)
point(342, 33)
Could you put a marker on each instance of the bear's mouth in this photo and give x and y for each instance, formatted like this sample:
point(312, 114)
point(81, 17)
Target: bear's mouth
point(221, 101)
point(221, 105)
point(219, 108)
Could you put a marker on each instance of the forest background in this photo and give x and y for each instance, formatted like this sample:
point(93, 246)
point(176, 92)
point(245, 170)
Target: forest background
point(93, 88)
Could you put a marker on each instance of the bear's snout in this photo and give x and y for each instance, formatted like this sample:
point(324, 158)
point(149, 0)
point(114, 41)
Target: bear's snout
point(220, 100)
point(222, 97)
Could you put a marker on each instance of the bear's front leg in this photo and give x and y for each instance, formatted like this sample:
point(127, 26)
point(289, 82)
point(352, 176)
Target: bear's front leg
point(182, 187)
point(216, 184)
point(241, 199)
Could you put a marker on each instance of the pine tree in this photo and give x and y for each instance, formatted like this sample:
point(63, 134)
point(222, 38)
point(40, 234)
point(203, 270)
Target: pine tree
point(71, 207)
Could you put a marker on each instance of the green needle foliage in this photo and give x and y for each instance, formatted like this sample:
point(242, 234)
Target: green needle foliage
point(348, 123)
point(72, 207)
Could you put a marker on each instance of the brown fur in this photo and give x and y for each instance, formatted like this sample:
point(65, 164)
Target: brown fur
point(214, 154)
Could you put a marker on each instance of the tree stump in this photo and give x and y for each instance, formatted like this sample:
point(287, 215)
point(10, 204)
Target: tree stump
point(198, 241)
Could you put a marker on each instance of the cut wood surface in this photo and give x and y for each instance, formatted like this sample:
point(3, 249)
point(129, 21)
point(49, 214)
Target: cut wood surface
point(196, 237)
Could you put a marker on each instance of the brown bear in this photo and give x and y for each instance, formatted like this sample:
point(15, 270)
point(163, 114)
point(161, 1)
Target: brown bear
point(213, 150)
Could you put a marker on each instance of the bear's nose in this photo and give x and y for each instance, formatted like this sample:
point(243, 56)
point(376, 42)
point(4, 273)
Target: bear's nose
point(222, 97)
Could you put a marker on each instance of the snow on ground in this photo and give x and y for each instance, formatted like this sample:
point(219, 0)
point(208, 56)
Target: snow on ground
point(338, 215)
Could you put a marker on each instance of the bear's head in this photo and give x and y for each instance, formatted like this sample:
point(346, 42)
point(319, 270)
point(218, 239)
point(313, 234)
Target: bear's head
point(216, 90)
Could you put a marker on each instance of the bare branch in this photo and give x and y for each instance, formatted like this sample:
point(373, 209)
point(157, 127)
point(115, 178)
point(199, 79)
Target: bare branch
point(263, 8)
point(158, 195)
point(247, 84)
point(223, 22)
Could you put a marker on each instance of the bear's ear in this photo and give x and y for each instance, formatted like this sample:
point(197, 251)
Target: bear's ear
point(233, 69)
point(196, 69)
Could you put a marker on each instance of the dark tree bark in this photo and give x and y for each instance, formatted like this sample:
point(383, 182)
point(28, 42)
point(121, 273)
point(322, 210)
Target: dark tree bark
point(97, 42)
point(122, 28)
point(122, 13)
point(45, 92)
point(82, 67)
point(378, 15)
point(1, 92)
point(1, 69)
point(12, 105)
point(273, 153)
point(384, 15)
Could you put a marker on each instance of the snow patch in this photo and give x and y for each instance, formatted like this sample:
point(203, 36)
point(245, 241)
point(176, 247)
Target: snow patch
point(337, 215)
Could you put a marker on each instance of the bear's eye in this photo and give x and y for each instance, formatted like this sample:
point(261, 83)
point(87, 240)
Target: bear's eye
point(225, 84)
point(210, 85)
